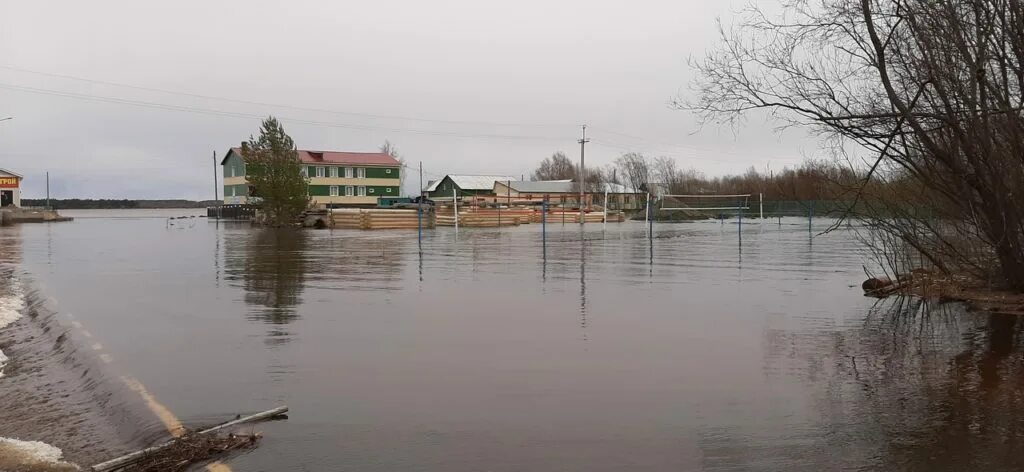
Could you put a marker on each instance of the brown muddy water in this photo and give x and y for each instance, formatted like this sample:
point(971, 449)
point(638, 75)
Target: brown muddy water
point(480, 353)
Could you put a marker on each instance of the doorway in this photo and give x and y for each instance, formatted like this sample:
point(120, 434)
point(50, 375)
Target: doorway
point(6, 198)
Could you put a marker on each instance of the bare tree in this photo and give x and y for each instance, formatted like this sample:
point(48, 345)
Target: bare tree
point(392, 150)
point(930, 89)
point(556, 167)
point(667, 173)
point(635, 170)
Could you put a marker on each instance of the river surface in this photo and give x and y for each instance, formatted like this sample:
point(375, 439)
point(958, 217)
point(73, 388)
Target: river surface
point(493, 350)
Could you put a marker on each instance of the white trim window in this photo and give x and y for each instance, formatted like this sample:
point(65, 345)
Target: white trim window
point(348, 172)
point(305, 172)
point(360, 173)
point(362, 191)
point(348, 190)
point(334, 172)
point(334, 190)
point(321, 171)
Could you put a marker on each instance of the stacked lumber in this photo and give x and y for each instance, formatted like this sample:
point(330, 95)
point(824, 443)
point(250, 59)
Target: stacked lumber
point(379, 219)
point(346, 218)
point(484, 220)
point(485, 217)
point(524, 214)
point(573, 216)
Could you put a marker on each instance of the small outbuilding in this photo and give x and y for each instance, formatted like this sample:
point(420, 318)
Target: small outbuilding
point(10, 188)
point(464, 185)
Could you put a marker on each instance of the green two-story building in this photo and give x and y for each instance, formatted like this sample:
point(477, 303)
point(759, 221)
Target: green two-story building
point(336, 179)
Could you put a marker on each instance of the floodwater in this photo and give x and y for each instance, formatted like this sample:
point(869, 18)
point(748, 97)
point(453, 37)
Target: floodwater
point(492, 350)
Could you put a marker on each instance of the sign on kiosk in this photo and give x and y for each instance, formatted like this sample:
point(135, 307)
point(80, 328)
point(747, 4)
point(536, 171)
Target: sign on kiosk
point(8, 182)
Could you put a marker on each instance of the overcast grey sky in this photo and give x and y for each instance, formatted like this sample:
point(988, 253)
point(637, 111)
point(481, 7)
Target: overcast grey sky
point(465, 86)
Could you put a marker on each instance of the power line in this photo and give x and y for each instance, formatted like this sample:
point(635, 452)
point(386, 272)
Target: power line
point(277, 105)
point(646, 144)
point(232, 114)
point(655, 149)
point(651, 144)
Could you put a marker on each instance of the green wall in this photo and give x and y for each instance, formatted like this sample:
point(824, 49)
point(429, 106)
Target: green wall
point(378, 191)
point(382, 172)
point(241, 190)
point(371, 172)
point(234, 166)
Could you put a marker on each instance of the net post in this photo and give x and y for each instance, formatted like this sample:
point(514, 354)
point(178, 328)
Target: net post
point(740, 214)
point(647, 210)
point(544, 226)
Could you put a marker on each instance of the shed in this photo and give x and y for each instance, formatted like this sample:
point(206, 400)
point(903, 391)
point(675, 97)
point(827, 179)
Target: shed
point(464, 185)
point(10, 188)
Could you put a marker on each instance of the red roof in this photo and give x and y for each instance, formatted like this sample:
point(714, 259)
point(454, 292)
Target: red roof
point(361, 158)
point(335, 157)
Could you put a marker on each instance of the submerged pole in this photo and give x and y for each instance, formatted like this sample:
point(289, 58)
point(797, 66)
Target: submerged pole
point(455, 205)
point(760, 200)
point(606, 208)
point(650, 218)
point(647, 209)
point(419, 213)
point(544, 226)
point(810, 216)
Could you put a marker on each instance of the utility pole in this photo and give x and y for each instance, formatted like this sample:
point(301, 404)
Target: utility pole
point(419, 213)
point(583, 175)
point(215, 175)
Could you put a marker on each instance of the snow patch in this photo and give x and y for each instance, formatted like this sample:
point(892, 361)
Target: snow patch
point(31, 456)
point(11, 305)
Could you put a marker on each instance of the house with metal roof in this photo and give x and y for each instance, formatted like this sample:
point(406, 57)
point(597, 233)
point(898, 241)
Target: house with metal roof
point(336, 179)
point(10, 188)
point(464, 185)
point(566, 192)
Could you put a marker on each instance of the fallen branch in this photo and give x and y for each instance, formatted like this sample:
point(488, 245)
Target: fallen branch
point(195, 441)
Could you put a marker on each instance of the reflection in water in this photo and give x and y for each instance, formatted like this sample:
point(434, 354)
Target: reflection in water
point(583, 283)
point(271, 266)
point(10, 244)
point(913, 386)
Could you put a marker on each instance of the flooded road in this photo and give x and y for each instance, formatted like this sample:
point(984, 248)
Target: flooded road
point(486, 351)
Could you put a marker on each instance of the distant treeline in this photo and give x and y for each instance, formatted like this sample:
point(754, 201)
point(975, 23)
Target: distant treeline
point(104, 204)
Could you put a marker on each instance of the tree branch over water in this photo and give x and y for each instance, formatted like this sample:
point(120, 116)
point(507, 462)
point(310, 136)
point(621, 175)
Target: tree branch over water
point(927, 91)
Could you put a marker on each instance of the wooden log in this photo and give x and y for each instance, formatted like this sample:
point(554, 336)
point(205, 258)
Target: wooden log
point(134, 457)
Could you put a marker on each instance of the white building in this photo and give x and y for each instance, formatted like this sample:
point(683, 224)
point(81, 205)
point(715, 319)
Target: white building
point(10, 188)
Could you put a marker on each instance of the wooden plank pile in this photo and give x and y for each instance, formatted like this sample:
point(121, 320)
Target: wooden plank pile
point(573, 216)
point(485, 217)
point(353, 218)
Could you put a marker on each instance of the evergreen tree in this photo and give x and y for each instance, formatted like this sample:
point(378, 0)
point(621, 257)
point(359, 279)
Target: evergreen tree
point(275, 174)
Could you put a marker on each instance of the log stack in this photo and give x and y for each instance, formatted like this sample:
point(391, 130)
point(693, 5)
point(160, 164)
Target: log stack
point(485, 217)
point(368, 219)
point(573, 216)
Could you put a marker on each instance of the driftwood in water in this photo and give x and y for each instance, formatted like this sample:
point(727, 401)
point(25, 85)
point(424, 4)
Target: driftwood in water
point(129, 459)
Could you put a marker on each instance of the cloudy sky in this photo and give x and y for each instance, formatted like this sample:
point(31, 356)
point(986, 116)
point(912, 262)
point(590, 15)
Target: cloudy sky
point(129, 99)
